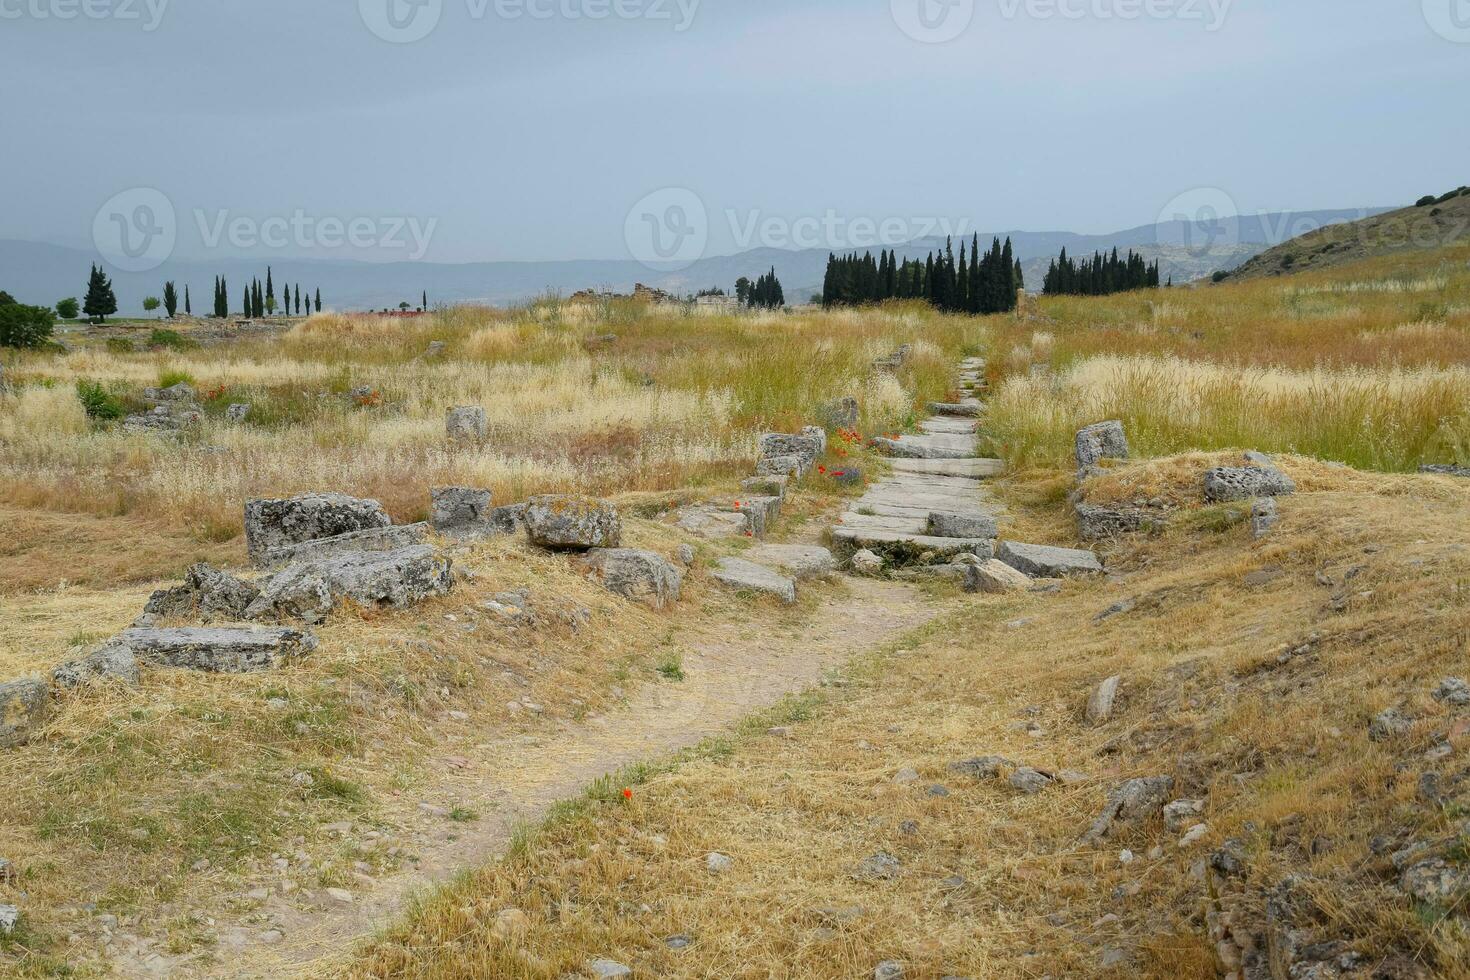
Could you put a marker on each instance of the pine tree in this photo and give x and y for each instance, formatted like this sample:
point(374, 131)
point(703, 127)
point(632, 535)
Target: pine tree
point(100, 301)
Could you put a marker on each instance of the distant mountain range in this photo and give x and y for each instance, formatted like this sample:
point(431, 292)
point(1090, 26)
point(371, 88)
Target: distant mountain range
point(40, 273)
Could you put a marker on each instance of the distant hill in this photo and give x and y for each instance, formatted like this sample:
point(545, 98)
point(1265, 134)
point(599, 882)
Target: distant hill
point(1444, 221)
point(42, 273)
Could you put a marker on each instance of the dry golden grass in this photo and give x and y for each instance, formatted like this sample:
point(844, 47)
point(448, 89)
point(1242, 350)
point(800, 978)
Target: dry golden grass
point(1278, 750)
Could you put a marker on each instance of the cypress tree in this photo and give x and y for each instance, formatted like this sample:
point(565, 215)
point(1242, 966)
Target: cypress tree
point(318, 299)
point(100, 300)
point(188, 310)
point(270, 292)
point(170, 299)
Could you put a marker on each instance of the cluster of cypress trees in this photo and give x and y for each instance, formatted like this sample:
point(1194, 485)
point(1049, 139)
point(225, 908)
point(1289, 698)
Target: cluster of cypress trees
point(260, 300)
point(766, 292)
point(979, 284)
point(1100, 275)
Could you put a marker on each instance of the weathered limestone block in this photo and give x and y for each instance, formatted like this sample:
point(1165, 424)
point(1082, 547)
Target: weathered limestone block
point(801, 561)
point(765, 486)
point(460, 510)
point(113, 660)
point(1104, 440)
point(1262, 479)
point(641, 576)
point(390, 538)
point(1135, 799)
point(235, 650)
point(994, 577)
point(466, 424)
point(276, 523)
point(966, 410)
point(806, 446)
point(944, 525)
point(747, 576)
point(23, 707)
point(567, 522)
point(1042, 561)
point(786, 466)
point(207, 592)
point(841, 414)
point(760, 513)
point(388, 579)
point(1095, 523)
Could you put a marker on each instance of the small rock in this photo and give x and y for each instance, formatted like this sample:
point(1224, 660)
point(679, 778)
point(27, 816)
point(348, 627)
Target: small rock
point(1453, 690)
point(866, 562)
point(938, 790)
point(905, 776)
point(717, 863)
point(686, 555)
point(994, 577)
point(1182, 813)
point(340, 895)
point(681, 941)
point(272, 936)
point(1029, 781)
point(9, 917)
point(879, 867)
point(1390, 723)
point(23, 707)
point(1264, 517)
point(1194, 835)
point(888, 970)
point(608, 969)
point(1100, 705)
point(510, 924)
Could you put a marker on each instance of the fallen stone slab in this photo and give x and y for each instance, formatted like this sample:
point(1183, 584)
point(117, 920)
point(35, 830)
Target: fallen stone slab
point(207, 592)
point(994, 577)
point(747, 576)
point(277, 523)
point(569, 522)
point(708, 521)
point(217, 650)
point(641, 576)
point(1100, 704)
point(799, 560)
point(1262, 479)
point(309, 591)
point(113, 660)
point(1095, 523)
point(1043, 561)
point(1134, 799)
point(1445, 469)
point(23, 708)
point(375, 539)
point(909, 447)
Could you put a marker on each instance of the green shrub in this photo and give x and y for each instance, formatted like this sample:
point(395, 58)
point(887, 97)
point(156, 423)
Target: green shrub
point(120, 345)
point(98, 402)
point(1426, 200)
point(1220, 276)
point(170, 339)
point(25, 326)
point(173, 376)
point(68, 309)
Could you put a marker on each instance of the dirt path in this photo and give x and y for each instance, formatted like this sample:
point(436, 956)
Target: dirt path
point(729, 675)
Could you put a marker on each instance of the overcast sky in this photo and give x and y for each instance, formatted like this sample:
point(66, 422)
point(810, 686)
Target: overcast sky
point(530, 129)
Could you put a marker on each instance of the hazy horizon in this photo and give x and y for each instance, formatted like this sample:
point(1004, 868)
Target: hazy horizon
point(671, 130)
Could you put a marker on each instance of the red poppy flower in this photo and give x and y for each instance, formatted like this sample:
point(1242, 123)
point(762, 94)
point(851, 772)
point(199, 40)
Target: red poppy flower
point(627, 794)
point(737, 505)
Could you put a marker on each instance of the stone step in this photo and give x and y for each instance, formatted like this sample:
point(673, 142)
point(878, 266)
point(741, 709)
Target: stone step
point(948, 426)
point(877, 540)
point(918, 447)
point(799, 560)
point(747, 576)
point(898, 525)
point(978, 468)
point(1045, 561)
point(961, 409)
point(884, 509)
